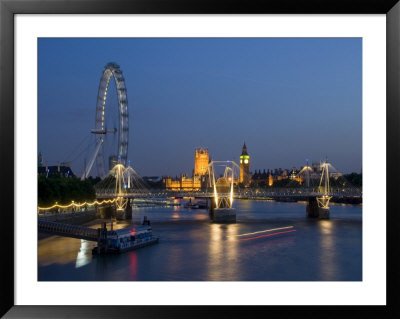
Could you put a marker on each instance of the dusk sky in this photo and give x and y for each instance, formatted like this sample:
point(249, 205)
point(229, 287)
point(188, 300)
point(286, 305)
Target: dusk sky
point(289, 99)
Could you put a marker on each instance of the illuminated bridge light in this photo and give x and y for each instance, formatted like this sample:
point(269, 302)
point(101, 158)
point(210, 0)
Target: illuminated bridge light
point(269, 235)
point(262, 231)
point(109, 201)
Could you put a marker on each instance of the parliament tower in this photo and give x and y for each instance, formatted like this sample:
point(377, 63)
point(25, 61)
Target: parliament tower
point(201, 160)
point(245, 176)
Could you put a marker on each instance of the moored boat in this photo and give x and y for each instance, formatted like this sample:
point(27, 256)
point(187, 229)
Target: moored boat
point(122, 240)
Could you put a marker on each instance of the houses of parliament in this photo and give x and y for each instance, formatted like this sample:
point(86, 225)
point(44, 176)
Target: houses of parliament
point(198, 180)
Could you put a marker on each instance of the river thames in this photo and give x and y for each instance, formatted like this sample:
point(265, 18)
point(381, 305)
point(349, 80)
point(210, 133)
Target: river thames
point(192, 248)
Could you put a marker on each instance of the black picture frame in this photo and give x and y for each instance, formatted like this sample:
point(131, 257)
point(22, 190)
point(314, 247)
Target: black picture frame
point(9, 8)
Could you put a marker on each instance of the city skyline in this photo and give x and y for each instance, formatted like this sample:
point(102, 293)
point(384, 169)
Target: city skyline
point(288, 99)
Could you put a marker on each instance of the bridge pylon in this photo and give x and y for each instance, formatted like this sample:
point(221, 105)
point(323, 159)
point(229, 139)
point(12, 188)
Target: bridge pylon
point(221, 209)
point(319, 206)
point(122, 203)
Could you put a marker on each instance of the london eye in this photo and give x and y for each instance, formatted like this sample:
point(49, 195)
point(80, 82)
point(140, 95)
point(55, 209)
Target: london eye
point(116, 150)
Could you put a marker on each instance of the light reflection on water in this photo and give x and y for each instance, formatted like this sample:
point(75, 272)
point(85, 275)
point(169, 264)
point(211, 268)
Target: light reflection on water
point(327, 247)
point(193, 248)
point(84, 255)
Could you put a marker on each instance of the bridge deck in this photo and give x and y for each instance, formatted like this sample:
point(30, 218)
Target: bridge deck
point(294, 193)
point(67, 230)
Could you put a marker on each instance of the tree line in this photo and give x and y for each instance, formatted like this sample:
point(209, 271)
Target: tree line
point(64, 190)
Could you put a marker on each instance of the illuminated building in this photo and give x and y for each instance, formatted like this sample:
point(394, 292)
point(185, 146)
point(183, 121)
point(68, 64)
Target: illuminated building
point(270, 180)
point(294, 175)
point(201, 160)
point(245, 176)
point(183, 183)
point(198, 179)
point(269, 177)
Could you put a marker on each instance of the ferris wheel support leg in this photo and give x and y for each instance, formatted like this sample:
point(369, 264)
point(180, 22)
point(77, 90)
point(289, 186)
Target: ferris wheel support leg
point(90, 165)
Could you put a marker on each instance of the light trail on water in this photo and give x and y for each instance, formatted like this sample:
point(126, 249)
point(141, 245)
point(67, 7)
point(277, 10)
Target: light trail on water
point(262, 231)
point(269, 235)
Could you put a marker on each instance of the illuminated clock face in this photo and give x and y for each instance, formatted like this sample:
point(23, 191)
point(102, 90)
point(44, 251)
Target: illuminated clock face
point(241, 161)
point(246, 161)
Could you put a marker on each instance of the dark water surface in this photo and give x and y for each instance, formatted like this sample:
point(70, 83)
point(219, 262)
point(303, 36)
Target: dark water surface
point(191, 248)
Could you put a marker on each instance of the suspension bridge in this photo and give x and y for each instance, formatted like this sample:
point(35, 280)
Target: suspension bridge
point(222, 190)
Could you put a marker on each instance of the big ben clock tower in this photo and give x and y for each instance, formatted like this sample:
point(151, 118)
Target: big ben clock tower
point(245, 167)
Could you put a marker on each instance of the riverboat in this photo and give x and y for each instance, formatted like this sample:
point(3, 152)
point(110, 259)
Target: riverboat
point(126, 239)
